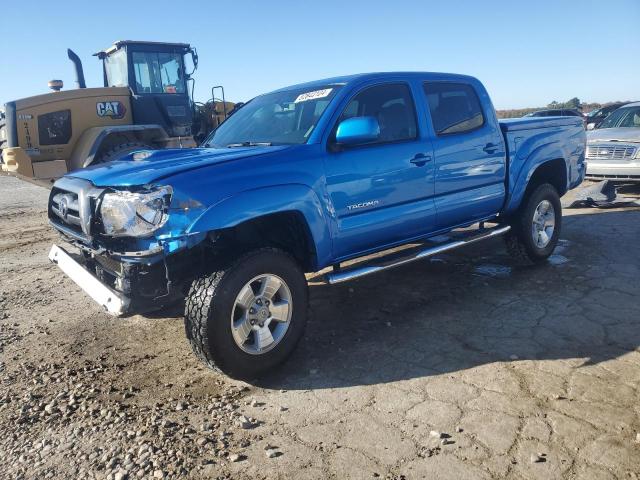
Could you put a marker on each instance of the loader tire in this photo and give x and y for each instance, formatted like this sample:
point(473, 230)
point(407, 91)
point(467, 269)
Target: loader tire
point(3, 137)
point(120, 150)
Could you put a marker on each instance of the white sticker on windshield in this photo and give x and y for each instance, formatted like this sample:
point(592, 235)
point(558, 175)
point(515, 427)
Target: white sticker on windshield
point(313, 95)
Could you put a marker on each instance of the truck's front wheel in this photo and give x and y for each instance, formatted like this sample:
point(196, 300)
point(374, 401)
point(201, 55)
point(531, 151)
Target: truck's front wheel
point(536, 228)
point(249, 317)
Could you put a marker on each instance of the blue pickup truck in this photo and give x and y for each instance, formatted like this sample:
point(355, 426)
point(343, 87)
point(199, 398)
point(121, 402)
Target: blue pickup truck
point(301, 180)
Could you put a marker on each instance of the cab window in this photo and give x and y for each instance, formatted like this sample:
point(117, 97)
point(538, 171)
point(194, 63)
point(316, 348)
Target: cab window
point(158, 72)
point(392, 105)
point(455, 107)
point(115, 66)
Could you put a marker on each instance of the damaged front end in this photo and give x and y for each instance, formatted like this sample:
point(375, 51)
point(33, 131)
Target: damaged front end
point(133, 241)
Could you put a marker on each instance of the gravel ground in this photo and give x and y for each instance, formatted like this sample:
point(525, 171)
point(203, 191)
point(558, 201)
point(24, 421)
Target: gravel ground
point(466, 366)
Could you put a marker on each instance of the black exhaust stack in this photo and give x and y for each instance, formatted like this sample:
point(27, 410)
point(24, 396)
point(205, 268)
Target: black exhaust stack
point(78, 64)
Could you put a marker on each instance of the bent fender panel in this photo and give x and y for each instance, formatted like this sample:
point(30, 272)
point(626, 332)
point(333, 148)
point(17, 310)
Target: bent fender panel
point(256, 203)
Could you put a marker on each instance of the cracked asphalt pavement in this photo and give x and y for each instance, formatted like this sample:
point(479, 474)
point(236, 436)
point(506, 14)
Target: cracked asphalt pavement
point(466, 366)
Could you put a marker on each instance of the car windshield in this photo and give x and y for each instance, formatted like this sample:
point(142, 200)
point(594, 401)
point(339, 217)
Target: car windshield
point(279, 118)
point(627, 117)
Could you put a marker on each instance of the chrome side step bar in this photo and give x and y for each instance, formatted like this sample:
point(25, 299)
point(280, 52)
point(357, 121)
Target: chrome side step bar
point(391, 261)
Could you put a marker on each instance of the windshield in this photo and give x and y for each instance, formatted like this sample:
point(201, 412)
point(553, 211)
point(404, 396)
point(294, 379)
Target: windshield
point(628, 117)
point(280, 118)
point(158, 72)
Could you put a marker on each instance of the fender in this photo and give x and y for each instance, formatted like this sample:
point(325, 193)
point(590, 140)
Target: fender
point(520, 172)
point(252, 204)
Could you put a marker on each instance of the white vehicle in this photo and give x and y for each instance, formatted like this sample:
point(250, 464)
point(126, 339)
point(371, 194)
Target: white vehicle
point(613, 149)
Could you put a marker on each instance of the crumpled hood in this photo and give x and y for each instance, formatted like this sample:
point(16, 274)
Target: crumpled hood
point(163, 163)
point(613, 134)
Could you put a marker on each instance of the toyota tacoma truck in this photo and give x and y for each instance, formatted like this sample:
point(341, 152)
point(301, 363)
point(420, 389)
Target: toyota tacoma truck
point(304, 179)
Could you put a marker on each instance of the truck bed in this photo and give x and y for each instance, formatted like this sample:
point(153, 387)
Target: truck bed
point(532, 139)
point(530, 123)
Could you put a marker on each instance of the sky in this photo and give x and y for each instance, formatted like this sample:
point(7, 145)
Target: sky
point(527, 53)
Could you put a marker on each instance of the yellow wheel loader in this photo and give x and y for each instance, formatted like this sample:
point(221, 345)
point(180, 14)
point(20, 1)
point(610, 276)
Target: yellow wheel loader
point(144, 104)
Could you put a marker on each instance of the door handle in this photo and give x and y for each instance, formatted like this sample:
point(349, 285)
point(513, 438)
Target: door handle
point(420, 159)
point(490, 148)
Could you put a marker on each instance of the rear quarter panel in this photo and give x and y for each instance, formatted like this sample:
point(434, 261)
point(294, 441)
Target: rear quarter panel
point(532, 142)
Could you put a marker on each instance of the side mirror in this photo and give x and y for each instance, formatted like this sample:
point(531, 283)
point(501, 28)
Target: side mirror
point(357, 130)
point(591, 126)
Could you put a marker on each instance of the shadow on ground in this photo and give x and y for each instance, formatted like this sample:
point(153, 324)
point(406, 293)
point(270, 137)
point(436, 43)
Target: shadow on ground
point(476, 307)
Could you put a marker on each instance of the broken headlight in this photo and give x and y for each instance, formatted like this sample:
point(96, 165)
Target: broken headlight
point(135, 214)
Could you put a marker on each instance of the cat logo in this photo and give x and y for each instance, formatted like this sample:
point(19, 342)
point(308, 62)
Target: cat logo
point(113, 110)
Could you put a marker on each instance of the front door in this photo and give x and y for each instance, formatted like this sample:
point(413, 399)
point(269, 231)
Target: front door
point(382, 191)
point(160, 92)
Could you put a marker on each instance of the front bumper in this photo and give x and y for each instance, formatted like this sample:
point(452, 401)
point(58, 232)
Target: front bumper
point(612, 170)
point(112, 301)
point(127, 286)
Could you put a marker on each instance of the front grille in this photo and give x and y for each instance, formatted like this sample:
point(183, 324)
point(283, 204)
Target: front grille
point(109, 263)
point(71, 205)
point(610, 152)
point(65, 206)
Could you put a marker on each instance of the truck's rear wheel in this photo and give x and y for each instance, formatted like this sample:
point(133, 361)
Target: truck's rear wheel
point(120, 150)
point(248, 318)
point(536, 228)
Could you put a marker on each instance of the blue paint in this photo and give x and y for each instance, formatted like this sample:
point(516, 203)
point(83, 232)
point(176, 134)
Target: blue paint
point(358, 130)
point(363, 198)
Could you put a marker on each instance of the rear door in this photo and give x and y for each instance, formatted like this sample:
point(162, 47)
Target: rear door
point(470, 157)
point(382, 192)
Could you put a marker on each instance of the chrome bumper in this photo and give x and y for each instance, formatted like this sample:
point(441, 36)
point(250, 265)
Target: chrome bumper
point(613, 169)
point(113, 302)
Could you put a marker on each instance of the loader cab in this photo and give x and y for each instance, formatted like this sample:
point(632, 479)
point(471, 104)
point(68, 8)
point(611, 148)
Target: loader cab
point(158, 80)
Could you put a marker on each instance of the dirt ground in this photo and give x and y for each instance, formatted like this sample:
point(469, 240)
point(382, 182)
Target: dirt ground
point(465, 366)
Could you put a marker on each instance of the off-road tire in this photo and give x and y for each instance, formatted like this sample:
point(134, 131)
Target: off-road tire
point(519, 239)
point(119, 150)
point(209, 305)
